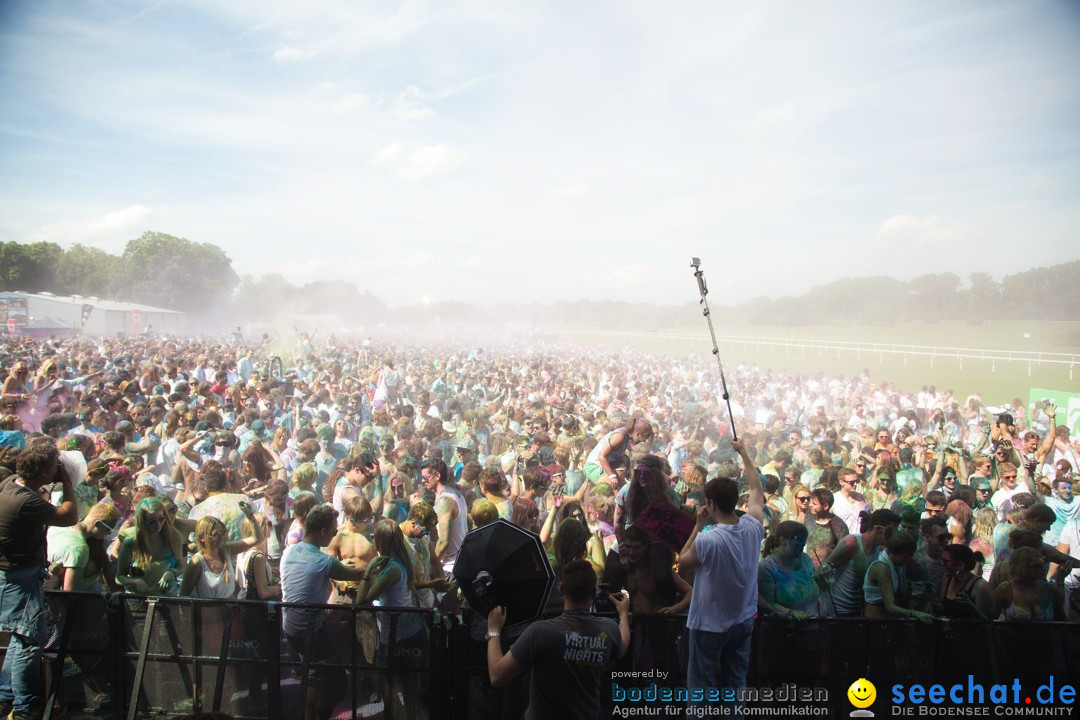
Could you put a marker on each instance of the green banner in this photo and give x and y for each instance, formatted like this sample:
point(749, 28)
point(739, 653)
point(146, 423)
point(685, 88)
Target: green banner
point(1068, 406)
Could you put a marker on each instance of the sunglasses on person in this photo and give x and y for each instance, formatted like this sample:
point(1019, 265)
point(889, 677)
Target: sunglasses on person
point(803, 498)
point(982, 490)
point(1009, 477)
point(103, 527)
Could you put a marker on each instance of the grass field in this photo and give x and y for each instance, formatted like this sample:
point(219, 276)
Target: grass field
point(998, 381)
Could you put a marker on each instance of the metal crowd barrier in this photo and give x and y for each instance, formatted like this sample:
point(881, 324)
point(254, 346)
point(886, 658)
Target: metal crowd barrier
point(820, 655)
point(125, 657)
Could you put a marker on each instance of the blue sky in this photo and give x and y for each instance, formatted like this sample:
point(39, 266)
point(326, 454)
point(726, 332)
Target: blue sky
point(528, 151)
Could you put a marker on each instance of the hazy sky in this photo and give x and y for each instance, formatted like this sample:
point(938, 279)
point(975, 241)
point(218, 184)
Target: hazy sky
point(497, 150)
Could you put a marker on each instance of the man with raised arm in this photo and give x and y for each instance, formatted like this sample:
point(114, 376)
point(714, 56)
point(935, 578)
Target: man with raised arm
point(24, 517)
point(567, 656)
point(724, 600)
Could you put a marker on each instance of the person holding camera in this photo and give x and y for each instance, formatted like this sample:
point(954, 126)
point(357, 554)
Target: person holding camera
point(566, 656)
point(724, 600)
point(24, 517)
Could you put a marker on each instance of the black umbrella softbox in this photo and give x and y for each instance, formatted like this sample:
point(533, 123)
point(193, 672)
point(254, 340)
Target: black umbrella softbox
point(502, 564)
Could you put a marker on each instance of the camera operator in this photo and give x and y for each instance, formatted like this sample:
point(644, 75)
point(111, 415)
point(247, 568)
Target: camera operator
point(24, 515)
point(566, 655)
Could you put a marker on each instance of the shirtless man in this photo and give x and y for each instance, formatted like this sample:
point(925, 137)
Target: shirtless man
point(351, 545)
point(650, 580)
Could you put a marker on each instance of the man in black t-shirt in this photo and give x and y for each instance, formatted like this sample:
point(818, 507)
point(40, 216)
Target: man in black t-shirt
point(567, 655)
point(24, 515)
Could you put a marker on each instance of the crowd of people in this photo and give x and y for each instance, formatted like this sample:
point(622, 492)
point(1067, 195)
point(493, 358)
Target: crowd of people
point(350, 472)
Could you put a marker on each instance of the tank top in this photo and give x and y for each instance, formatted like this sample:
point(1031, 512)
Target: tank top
point(1041, 611)
point(962, 607)
point(458, 527)
point(216, 584)
point(616, 450)
point(398, 594)
point(847, 587)
point(872, 592)
point(244, 582)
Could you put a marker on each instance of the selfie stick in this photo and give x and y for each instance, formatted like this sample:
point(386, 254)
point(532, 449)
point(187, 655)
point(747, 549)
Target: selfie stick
point(704, 290)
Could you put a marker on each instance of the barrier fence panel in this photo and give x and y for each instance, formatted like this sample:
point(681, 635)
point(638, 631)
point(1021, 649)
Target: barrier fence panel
point(132, 657)
point(815, 659)
point(80, 657)
point(123, 656)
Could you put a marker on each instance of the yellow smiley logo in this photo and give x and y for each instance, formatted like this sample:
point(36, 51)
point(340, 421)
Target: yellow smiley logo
point(862, 693)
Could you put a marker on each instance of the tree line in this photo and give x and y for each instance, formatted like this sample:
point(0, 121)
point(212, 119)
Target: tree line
point(176, 273)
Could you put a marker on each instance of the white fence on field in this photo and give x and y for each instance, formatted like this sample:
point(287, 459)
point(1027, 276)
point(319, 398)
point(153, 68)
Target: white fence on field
point(840, 347)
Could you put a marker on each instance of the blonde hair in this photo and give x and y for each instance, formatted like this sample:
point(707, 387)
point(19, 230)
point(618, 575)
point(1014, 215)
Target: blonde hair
point(143, 554)
point(601, 505)
point(305, 475)
point(483, 512)
point(46, 366)
point(912, 491)
point(985, 522)
point(207, 525)
point(104, 512)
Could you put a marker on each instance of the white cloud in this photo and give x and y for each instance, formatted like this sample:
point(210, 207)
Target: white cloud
point(636, 274)
point(324, 86)
point(355, 268)
point(471, 262)
point(927, 230)
point(574, 190)
point(417, 165)
point(406, 107)
point(773, 116)
point(121, 219)
point(291, 54)
point(351, 101)
point(110, 231)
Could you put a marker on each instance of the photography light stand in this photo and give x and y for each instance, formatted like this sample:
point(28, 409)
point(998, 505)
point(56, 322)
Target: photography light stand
point(704, 290)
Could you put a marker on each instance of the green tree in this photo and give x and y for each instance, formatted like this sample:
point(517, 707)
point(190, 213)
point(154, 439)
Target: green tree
point(258, 299)
point(933, 296)
point(89, 271)
point(30, 267)
point(177, 273)
point(337, 297)
point(983, 298)
point(1042, 293)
